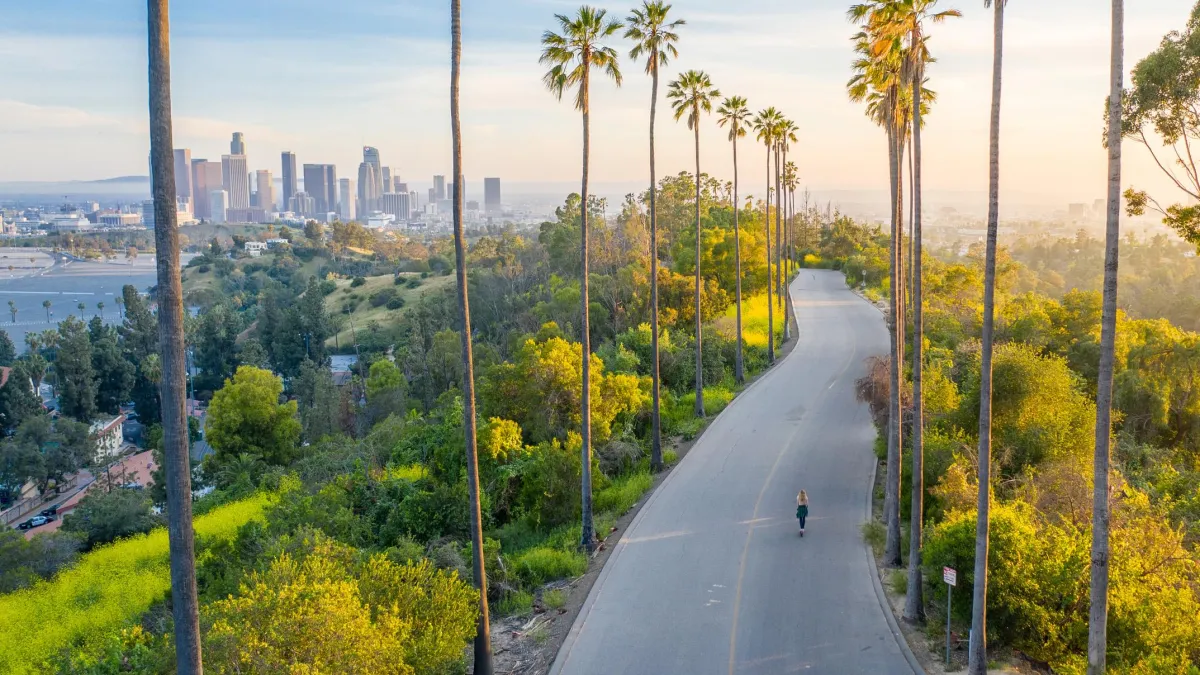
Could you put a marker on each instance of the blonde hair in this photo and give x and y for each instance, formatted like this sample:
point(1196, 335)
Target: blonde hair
point(802, 498)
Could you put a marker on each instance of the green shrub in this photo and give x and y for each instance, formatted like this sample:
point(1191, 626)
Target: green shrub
point(875, 535)
point(357, 281)
point(395, 303)
point(554, 599)
point(897, 582)
point(540, 565)
point(515, 603)
point(623, 493)
point(670, 457)
point(382, 297)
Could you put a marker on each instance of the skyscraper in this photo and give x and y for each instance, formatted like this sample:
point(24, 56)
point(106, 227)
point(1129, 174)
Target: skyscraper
point(266, 190)
point(235, 180)
point(397, 204)
point(369, 189)
point(491, 195)
point(289, 178)
point(206, 178)
point(238, 145)
point(320, 182)
point(346, 198)
point(450, 191)
point(433, 196)
point(183, 176)
point(387, 179)
point(401, 187)
point(439, 188)
point(218, 205)
point(302, 204)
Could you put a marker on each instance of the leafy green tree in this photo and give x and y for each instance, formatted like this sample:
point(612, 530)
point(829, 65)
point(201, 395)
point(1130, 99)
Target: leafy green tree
point(104, 516)
point(77, 377)
point(245, 416)
point(385, 390)
point(216, 347)
point(766, 124)
point(18, 402)
point(25, 561)
point(19, 463)
point(139, 337)
point(8, 351)
point(114, 373)
point(654, 37)
point(571, 55)
point(318, 402)
point(735, 114)
point(692, 95)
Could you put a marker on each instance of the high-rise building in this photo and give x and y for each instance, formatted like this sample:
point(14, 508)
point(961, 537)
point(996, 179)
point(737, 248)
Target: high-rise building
point(346, 198)
point(433, 196)
point(397, 204)
point(439, 188)
point(320, 182)
point(266, 190)
point(238, 145)
point(450, 191)
point(400, 186)
point(218, 204)
point(387, 179)
point(302, 204)
point(235, 180)
point(369, 189)
point(206, 177)
point(491, 195)
point(183, 174)
point(289, 178)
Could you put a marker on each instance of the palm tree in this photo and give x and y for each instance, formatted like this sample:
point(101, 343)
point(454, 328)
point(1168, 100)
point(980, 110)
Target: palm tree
point(100, 309)
point(787, 135)
point(734, 114)
point(692, 95)
point(654, 37)
point(977, 661)
point(766, 124)
point(791, 180)
point(877, 82)
point(571, 55)
point(12, 309)
point(121, 306)
point(1098, 616)
point(46, 306)
point(483, 638)
point(81, 307)
point(184, 600)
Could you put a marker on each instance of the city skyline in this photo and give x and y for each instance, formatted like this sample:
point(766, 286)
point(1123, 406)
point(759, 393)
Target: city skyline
point(796, 59)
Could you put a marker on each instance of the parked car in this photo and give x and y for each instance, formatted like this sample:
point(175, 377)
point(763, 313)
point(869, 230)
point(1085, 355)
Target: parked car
point(36, 521)
point(52, 510)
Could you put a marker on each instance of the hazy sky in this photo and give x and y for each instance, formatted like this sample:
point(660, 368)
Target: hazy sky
point(324, 78)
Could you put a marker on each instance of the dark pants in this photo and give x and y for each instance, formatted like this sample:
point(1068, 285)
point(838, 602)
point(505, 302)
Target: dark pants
point(802, 519)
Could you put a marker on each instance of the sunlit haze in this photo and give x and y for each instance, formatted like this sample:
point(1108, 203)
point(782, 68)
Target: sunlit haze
point(323, 79)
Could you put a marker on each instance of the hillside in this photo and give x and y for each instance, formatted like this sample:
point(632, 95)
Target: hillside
point(354, 305)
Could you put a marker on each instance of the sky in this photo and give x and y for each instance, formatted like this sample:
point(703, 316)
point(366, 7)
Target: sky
point(325, 78)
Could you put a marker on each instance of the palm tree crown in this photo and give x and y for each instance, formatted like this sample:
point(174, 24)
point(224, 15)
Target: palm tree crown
point(576, 49)
point(692, 94)
point(652, 36)
point(734, 114)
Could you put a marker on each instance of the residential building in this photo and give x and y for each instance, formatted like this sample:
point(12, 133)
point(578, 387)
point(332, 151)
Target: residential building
point(397, 204)
point(238, 145)
point(109, 434)
point(346, 197)
point(266, 190)
point(183, 175)
point(289, 178)
point(235, 180)
point(218, 205)
point(439, 189)
point(491, 195)
point(320, 182)
point(255, 248)
point(206, 177)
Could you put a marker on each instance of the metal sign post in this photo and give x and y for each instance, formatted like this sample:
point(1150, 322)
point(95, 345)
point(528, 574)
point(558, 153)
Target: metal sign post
point(950, 576)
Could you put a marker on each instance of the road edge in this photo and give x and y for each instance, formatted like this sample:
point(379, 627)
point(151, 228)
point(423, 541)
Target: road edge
point(580, 618)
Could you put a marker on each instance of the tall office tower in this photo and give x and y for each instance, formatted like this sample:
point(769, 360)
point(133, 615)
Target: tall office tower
point(439, 188)
point(414, 200)
point(433, 196)
point(397, 204)
point(183, 175)
point(238, 145)
point(320, 182)
point(400, 186)
point(346, 197)
point(206, 177)
point(218, 204)
point(450, 191)
point(266, 190)
point(289, 178)
point(369, 188)
point(235, 180)
point(303, 204)
point(491, 195)
point(387, 179)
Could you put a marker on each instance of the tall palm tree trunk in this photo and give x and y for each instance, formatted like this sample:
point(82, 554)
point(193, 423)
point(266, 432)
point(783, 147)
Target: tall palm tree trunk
point(588, 535)
point(914, 605)
point(779, 239)
point(656, 454)
point(977, 663)
point(770, 299)
point(699, 334)
point(1098, 615)
point(739, 372)
point(781, 251)
point(180, 537)
point(483, 638)
point(891, 502)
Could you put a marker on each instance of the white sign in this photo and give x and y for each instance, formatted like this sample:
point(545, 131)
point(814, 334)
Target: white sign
point(950, 576)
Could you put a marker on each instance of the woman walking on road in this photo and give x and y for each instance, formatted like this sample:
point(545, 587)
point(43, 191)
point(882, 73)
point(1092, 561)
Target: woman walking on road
point(802, 509)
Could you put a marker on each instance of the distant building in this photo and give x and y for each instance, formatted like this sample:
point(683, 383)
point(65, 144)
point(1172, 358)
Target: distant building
point(387, 179)
point(302, 204)
point(1078, 210)
point(255, 248)
point(110, 435)
point(433, 196)
point(218, 205)
point(238, 145)
point(400, 186)
point(183, 175)
point(119, 219)
point(266, 190)
point(397, 204)
point(346, 197)
point(277, 242)
point(235, 179)
point(439, 189)
point(289, 178)
point(472, 206)
point(320, 182)
point(380, 221)
point(206, 178)
point(71, 223)
point(491, 195)
point(368, 188)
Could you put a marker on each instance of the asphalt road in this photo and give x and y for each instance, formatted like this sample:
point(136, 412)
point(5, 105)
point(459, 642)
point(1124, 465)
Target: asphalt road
point(712, 577)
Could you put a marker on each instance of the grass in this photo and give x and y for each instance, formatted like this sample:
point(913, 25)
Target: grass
point(364, 313)
point(897, 582)
point(515, 603)
point(554, 599)
point(670, 457)
point(543, 564)
point(108, 588)
point(540, 635)
point(623, 493)
point(875, 535)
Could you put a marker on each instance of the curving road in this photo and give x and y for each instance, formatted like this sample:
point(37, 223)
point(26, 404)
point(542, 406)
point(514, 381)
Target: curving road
point(712, 577)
